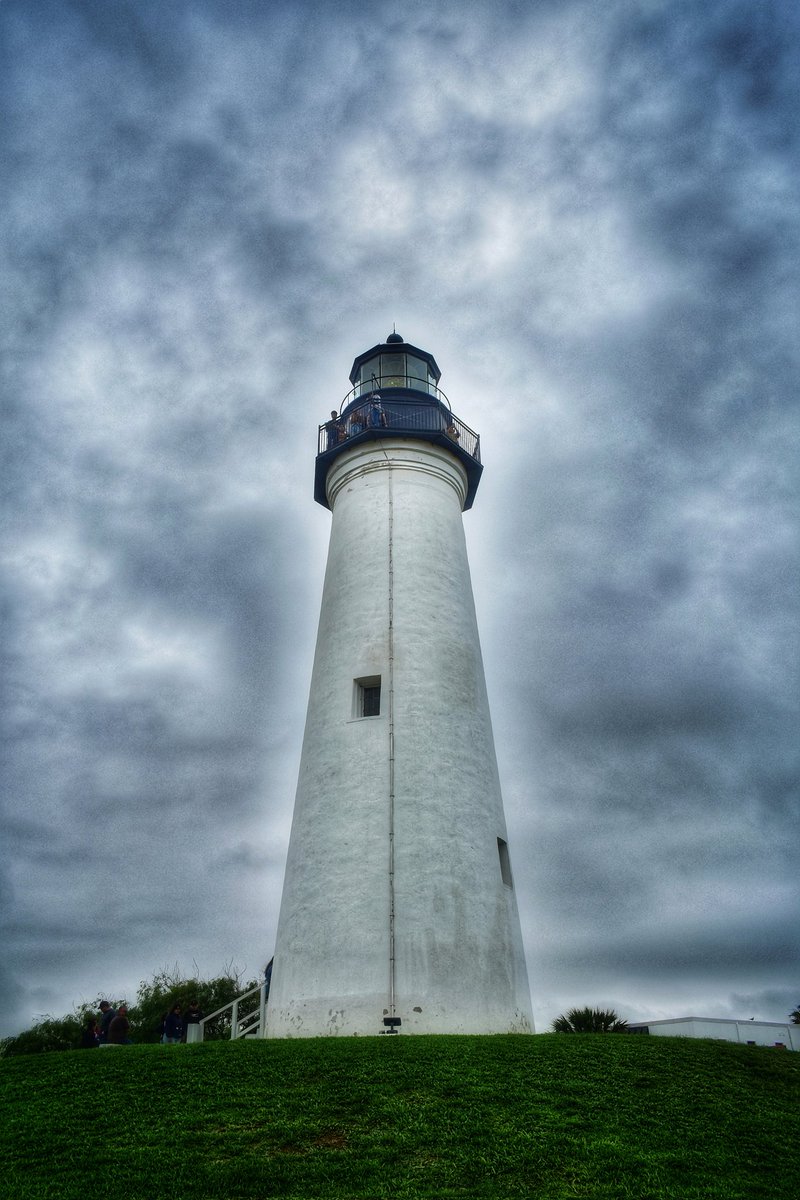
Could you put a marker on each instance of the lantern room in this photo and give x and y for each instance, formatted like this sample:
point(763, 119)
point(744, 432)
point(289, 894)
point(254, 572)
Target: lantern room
point(396, 393)
point(393, 364)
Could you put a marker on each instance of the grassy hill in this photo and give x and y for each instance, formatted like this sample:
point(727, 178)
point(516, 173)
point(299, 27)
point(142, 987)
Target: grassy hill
point(547, 1118)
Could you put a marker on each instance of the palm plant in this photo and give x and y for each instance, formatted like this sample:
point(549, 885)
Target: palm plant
point(589, 1020)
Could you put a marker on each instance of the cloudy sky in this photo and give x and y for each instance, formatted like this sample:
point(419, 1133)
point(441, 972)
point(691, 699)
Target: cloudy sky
point(589, 214)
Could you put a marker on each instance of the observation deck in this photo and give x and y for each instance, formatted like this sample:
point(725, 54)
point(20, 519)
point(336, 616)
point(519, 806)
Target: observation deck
point(395, 393)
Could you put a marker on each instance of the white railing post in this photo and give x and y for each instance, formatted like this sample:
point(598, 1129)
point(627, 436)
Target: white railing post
point(253, 1023)
point(262, 1012)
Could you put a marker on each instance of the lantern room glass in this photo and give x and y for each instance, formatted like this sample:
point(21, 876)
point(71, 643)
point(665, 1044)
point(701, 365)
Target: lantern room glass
point(395, 370)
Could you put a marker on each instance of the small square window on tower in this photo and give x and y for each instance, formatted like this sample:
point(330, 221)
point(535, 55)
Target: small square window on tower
point(368, 697)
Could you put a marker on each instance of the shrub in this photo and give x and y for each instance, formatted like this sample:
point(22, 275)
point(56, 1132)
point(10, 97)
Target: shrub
point(49, 1033)
point(154, 998)
point(590, 1020)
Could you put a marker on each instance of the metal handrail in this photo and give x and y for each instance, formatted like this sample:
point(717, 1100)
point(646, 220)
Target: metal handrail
point(411, 383)
point(252, 1023)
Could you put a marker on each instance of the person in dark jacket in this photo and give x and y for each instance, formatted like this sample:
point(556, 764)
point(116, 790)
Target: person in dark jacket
point(335, 429)
point(173, 1026)
point(90, 1037)
point(107, 1014)
point(118, 1029)
point(377, 417)
point(192, 1016)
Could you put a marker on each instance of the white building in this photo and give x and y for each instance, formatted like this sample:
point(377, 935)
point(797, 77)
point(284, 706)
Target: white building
point(749, 1033)
point(398, 910)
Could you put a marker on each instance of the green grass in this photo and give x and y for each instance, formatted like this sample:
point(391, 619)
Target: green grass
point(552, 1117)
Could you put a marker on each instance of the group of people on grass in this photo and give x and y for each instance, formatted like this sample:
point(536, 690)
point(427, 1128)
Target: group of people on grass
point(112, 1027)
point(109, 1029)
point(175, 1024)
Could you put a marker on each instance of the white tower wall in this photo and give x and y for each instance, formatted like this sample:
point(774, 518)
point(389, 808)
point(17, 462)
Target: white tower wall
point(395, 902)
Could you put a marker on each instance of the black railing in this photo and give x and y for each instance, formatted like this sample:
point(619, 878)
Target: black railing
point(411, 383)
point(382, 412)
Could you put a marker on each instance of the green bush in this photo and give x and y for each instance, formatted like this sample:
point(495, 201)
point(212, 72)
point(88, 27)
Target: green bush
point(590, 1020)
point(154, 998)
point(49, 1033)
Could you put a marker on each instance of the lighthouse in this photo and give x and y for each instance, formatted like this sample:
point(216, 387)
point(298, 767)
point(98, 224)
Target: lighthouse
point(399, 912)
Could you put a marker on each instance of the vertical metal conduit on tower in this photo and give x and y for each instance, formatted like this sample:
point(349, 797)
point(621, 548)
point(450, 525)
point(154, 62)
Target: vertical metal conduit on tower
point(391, 746)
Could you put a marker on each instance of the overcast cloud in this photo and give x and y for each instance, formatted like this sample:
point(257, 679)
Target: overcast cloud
point(589, 215)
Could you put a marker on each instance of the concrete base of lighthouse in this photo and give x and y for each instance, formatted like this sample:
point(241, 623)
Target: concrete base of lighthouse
point(398, 901)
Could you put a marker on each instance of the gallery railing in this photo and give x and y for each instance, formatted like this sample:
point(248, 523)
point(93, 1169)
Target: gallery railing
point(397, 414)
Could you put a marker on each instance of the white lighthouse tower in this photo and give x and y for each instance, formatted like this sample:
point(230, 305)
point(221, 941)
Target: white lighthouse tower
point(398, 909)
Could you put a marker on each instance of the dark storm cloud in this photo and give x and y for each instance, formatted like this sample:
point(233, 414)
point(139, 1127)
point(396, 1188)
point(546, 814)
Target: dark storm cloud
point(590, 218)
point(657, 524)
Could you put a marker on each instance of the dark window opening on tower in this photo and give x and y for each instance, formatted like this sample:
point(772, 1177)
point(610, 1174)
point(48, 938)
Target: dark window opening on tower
point(505, 862)
point(368, 697)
